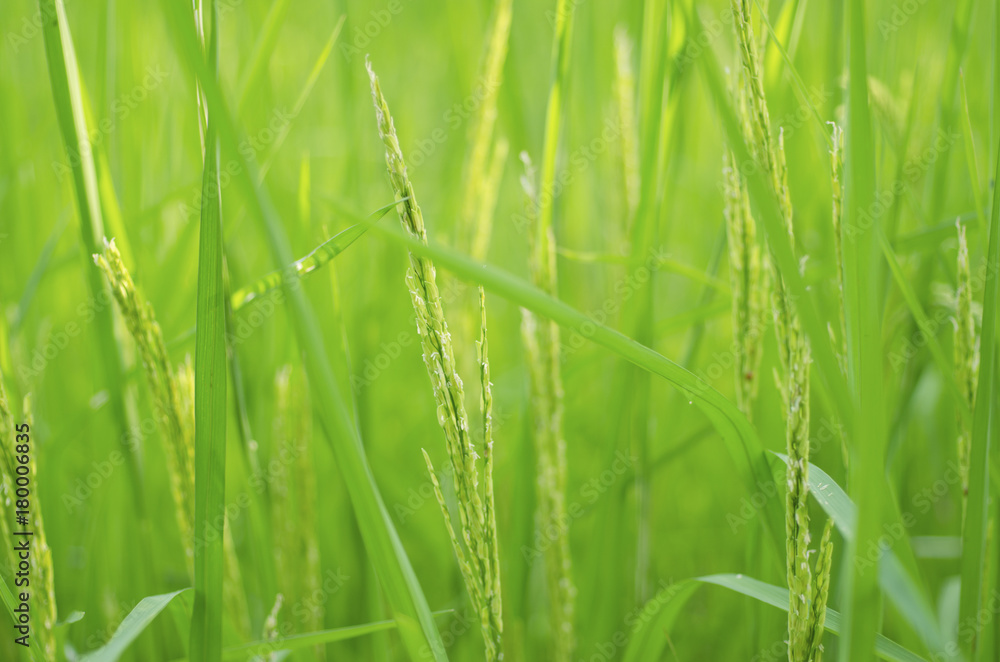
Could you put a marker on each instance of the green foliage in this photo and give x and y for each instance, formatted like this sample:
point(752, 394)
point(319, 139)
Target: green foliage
point(621, 429)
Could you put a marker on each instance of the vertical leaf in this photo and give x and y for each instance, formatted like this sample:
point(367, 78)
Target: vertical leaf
point(209, 405)
point(860, 231)
point(983, 430)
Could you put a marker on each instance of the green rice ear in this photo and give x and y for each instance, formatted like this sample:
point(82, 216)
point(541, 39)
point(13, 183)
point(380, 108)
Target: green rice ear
point(966, 354)
point(474, 542)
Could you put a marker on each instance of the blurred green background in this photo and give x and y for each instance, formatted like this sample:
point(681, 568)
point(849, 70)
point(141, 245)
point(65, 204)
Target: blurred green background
point(329, 171)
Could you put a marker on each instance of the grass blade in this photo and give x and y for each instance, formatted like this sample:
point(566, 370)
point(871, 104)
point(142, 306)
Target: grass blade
point(319, 256)
point(542, 343)
point(960, 29)
point(778, 597)
point(658, 616)
point(134, 624)
point(300, 102)
point(262, 50)
point(209, 404)
point(860, 230)
point(983, 432)
point(44, 261)
point(970, 158)
point(309, 639)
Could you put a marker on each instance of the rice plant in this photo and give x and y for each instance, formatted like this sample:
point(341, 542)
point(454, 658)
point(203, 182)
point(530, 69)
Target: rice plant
point(808, 585)
point(733, 395)
point(172, 389)
point(477, 548)
point(966, 352)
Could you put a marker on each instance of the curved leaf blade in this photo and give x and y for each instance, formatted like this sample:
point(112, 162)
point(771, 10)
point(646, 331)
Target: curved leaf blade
point(662, 610)
point(895, 581)
point(739, 435)
point(134, 624)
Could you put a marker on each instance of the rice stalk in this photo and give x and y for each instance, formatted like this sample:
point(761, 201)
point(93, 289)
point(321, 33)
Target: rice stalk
point(486, 158)
point(966, 354)
point(625, 94)
point(821, 593)
point(547, 392)
point(173, 409)
point(489, 193)
point(476, 546)
point(975, 526)
point(271, 632)
point(807, 601)
point(487, 153)
point(541, 341)
point(793, 350)
point(749, 268)
point(748, 283)
point(837, 184)
point(293, 490)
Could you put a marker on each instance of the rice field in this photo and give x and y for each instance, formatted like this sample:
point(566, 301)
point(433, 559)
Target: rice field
point(569, 330)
